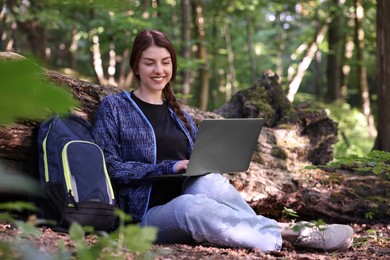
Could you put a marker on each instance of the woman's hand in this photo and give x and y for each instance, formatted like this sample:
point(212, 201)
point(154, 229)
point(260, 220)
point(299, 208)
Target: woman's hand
point(181, 166)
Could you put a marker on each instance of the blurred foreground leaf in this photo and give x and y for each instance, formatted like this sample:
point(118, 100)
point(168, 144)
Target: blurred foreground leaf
point(12, 182)
point(25, 93)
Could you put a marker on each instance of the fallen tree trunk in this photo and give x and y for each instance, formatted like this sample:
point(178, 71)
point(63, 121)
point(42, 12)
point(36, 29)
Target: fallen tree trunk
point(291, 139)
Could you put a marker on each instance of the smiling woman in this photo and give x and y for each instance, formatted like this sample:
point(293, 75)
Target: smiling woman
point(154, 72)
point(145, 133)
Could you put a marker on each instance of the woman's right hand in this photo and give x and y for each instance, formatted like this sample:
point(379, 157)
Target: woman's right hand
point(181, 166)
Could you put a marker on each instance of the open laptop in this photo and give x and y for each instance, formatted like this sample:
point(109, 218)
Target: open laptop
point(222, 146)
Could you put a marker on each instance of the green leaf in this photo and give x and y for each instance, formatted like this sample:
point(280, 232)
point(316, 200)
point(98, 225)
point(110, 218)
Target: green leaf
point(122, 215)
point(26, 94)
point(76, 232)
point(28, 229)
point(139, 239)
point(18, 206)
point(16, 183)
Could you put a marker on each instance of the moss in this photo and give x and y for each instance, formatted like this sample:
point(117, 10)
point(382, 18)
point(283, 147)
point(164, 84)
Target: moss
point(279, 153)
point(270, 100)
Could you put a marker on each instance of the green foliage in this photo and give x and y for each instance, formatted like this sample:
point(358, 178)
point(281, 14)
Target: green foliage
point(107, 246)
point(377, 162)
point(369, 215)
point(320, 224)
point(84, 251)
point(18, 183)
point(26, 94)
point(7, 208)
point(353, 137)
point(289, 212)
point(353, 130)
point(134, 237)
point(18, 206)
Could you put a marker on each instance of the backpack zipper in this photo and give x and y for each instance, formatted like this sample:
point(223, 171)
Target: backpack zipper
point(67, 173)
point(45, 163)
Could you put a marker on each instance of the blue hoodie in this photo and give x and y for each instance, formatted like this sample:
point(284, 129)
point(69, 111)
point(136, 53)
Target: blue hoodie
point(129, 145)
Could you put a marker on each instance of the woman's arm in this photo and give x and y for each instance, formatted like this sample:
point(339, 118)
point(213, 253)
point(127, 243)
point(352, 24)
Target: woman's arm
point(107, 130)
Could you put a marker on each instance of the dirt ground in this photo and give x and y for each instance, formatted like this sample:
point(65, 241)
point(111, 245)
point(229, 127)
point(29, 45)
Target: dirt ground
point(370, 242)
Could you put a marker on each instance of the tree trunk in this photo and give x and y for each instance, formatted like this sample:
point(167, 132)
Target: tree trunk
point(125, 74)
point(252, 60)
point(346, 69)
point(186, 49)
point(97, 60)
point(334, 56)
point(383, 75)
point(361, 68)
point(305, 62)
point(73, 48)
point(318, 82)
point(35, 33)
point(279, 57)
point(203, 56)
point(231, 75)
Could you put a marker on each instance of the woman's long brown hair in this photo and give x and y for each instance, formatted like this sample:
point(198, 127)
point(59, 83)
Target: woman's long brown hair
point(144, 40)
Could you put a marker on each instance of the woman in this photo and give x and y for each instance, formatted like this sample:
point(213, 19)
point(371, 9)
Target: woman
point(145, 133)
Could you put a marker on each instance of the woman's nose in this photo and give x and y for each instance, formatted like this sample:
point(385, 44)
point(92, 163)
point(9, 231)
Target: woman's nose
point(157, 68)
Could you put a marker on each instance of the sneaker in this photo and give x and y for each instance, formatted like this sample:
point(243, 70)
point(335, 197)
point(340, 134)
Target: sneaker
point(327, 238)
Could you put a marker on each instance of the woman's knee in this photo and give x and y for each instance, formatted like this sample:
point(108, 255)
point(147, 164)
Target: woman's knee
point(189, 205)
point(206, 184)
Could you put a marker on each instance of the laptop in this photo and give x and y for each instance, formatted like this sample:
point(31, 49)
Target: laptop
point(222, 146)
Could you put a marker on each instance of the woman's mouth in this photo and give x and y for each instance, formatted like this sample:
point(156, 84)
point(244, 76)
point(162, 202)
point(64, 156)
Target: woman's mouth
point(158, 79)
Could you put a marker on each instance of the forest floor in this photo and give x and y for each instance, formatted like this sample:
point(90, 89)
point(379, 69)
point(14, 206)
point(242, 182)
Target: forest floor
point(370, 242)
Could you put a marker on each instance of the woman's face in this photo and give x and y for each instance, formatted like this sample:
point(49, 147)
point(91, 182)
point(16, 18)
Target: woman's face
point(155, 68)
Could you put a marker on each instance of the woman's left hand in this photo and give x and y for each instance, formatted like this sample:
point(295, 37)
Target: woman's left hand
point(181, 166)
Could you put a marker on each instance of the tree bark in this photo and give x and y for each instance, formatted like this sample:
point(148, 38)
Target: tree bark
point(334, 56)
point(203, 56)
point(231, 75)
point(186, 49)
point(383, 75)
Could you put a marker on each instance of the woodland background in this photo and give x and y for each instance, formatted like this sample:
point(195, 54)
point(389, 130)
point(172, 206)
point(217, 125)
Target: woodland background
point(324, 52)
point(330, 54)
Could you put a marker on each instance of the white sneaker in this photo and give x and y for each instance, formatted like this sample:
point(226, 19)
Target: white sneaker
point(329, 238)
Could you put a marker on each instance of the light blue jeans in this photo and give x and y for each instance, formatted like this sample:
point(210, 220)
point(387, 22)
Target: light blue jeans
point(212, 210)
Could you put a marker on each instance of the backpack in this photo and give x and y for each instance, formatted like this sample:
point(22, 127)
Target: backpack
point(73, 175)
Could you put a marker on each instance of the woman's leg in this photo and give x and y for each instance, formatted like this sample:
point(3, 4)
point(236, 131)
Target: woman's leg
point(217, 187)
point(203, 219)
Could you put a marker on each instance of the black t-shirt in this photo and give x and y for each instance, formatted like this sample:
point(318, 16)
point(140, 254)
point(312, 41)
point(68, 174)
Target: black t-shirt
point(171, 145)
